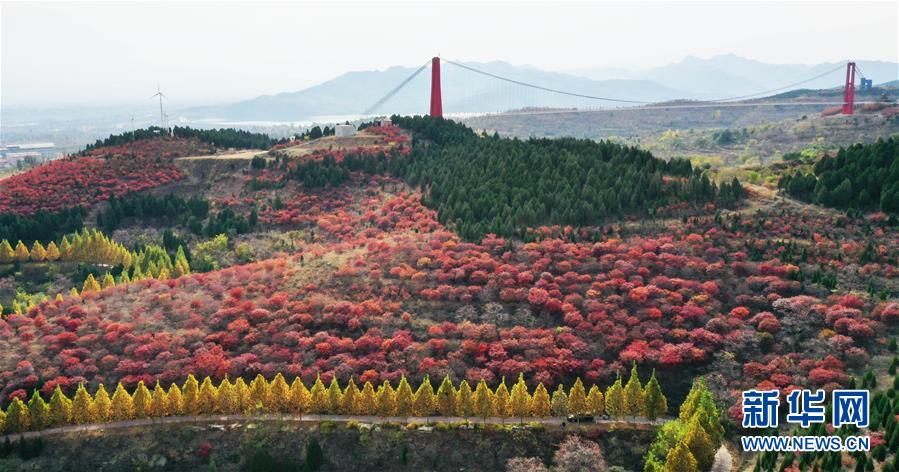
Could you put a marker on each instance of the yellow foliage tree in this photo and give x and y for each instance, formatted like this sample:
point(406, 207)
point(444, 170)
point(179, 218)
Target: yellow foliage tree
point(90, 284)
point(559, 403)
point(464, 402)
point(404, 398)
point(520, 400)
point(633, 394)
point(348, 399)
point(102, 405)
point(52, 252)
point(654, 402)
point(446, 398)
point(160, 403)
point(334, 395)
point(595, 403)
point(700, 444)
point(60, 408)
point(386, 399)
point(38, 412)
point(7, 253)
point(142, 400)
point(190, 396)
point(300, 398)
point(17, 418)
point(577, 398)
point(226, 400)
point(83, 410)
point(680, 459)
point(615, 399)
point(540, 403)
point(65, 249)
point(208, 398)
point(423, 401)
point(501, 400)
point(259, 393)
point(175, 401)
point(319, 403)
point(108, 280)
point(243, 394)
point(122, 404)
point(22, 253)
point(38, 252)
point(483, 401)
point(367, 401)
point(279, 394)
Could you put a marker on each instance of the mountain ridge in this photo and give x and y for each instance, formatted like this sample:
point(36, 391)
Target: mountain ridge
point(465, 91)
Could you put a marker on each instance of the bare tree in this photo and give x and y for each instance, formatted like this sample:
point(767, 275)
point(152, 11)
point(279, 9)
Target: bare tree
point(525, 464)
point(578, 455)
point(723, 461)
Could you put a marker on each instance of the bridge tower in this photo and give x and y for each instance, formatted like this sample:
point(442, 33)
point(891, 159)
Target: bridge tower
point(436, 99)
point(849, 91)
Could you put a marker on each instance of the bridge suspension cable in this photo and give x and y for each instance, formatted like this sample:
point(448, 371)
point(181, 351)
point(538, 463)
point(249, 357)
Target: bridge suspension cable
point(396, 89)
point(768, 92)
point(545, 89)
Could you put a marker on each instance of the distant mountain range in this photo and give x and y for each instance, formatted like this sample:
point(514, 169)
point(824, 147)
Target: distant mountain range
point(465, 91)
point(730, 75)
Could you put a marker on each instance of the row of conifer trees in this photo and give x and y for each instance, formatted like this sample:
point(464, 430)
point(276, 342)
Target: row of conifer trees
point(89, 245)
point(194, 398)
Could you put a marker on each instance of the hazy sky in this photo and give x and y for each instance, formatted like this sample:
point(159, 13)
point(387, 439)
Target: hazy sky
point(114, 53)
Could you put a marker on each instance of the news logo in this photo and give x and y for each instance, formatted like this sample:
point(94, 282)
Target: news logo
point(760, 408)
point(805, 408)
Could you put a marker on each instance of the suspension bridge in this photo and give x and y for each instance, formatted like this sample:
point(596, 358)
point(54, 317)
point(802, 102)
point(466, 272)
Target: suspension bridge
point(511, 96)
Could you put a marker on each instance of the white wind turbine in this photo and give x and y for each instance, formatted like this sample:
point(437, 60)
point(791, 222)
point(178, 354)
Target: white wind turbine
point(161, 113)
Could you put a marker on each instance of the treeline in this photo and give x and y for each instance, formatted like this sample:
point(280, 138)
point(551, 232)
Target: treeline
point(222, 138)
point(317, 132)
point(316, 174)
point(92, 247)
point(439, 131)
point(227, 221)
point(42, 225)
point(862, 176)
point(193, 212)
point(493, 185)
point(277, 396)
point(86, 246)
point(481, 184)
point(228, 137)
point(144, 205)
point(152, 262)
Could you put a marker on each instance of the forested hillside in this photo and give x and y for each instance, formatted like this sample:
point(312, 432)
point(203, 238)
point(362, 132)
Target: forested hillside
point(861, 176)
point(222, 138)
point(482, 185)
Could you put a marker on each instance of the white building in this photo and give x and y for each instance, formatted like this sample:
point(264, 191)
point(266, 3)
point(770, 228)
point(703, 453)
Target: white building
point(46, 150)
point(343, 131)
